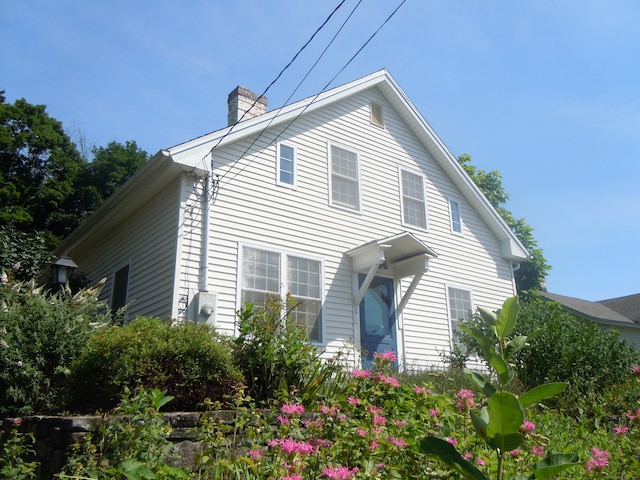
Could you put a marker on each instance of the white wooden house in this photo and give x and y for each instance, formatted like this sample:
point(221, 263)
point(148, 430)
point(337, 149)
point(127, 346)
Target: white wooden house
point(347, 200)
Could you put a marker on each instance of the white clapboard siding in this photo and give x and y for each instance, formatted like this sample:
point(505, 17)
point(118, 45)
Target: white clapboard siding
point(251, 209)
point(146, 241)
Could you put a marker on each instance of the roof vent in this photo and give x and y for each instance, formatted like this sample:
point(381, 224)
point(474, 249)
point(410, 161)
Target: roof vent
point(240, 101)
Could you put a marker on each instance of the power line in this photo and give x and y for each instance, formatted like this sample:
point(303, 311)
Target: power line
point(318, 94)
point(277, 77)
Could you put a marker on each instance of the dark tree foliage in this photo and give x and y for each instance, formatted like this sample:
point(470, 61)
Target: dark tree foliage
point(530, 275)
point(40, 167)
point(47, 188)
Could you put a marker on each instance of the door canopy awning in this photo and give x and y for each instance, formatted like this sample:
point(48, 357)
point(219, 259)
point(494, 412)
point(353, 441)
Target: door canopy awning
point(399, 256)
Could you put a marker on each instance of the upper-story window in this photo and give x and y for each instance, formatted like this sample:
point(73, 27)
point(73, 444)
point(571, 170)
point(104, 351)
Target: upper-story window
point(268, 273)
point(414, 206)
point(377, 114)
point(344, 178)
point(286, 165)
point(454, 212)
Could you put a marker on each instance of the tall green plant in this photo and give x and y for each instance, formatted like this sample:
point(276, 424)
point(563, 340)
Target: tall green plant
point(500, 422)
point(41, 335)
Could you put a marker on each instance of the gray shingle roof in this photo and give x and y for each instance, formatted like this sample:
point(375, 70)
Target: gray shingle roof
point(616, 310)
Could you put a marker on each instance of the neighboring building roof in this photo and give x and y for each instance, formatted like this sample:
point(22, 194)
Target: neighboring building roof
point(623, 310)
point(628, 306)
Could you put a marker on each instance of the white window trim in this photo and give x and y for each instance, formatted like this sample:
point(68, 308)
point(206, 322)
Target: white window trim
point(283, 281)
point(293, 185)
point(457, 202)
point(426, 206)
point(371, 116)
point(472, 304)
point(330, 178)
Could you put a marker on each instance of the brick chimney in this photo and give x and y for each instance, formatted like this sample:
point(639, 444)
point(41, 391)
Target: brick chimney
point(240, 101)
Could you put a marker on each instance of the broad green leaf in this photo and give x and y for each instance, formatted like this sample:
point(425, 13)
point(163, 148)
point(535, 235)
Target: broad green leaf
point(505, 375)
point(481, 382)
point(552, 464)
point(135, 470)
point(489, 316)
point(480, 423)
point(507, 317)
point(506, 443)
point(505, 418)
point(515, 345)
point(448, 454)
point(541, 392)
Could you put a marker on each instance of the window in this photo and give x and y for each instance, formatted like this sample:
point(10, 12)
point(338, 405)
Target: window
point(344, 178)
point(414, 207)
point(262, 275)
point(377, 114)
point(120, 288)
point(286, 165)
point(456, 222)
point(460, 307)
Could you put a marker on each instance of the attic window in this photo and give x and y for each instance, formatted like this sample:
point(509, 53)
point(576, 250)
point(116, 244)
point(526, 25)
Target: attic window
point(377, 114)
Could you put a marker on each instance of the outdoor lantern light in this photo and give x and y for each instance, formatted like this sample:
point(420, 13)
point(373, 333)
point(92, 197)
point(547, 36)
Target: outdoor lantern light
point(63, 267)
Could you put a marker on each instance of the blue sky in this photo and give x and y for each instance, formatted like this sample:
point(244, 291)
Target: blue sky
point(545, 92)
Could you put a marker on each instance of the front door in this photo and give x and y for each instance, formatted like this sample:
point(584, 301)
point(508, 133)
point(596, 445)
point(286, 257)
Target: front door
point(377, 319)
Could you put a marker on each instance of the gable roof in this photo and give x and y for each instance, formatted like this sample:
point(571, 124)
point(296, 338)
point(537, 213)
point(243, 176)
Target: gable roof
point(606, 311)
point(192, 155)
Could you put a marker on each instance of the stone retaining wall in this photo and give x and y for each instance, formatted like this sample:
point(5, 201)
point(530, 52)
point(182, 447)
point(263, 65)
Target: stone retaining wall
point(54, 436)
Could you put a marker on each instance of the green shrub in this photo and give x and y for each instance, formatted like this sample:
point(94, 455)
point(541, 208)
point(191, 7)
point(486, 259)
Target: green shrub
point(190, 361)
point(41, 334)
point(565, 348)
point(275, 353)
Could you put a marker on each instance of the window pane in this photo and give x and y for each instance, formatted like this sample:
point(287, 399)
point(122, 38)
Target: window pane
point(345, 186)
point(260, 274)
point(414, 207)
point(303, 277)
point(459, 304)
point(456, 225)
point(286, 164)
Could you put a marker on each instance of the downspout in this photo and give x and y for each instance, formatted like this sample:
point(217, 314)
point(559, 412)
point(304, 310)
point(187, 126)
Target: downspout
point(206, 225)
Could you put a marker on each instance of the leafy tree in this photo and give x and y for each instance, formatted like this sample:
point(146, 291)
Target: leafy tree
point(110, 168)
point(40, 166)
point(532, 272)
point(47, 187)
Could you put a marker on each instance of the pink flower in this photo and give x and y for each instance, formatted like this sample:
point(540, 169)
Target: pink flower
point(537, 450)
point(353, 401)
point(254, 454)
point(374, 410)
point(480, 462)
point(362, 373)
point(621, 430)
point(362, 432)
point(599, 460)
point(373, 445)
point(293, 477)
point(389, 356)
point(515, 452)
point(400, 423)
point(398, 442)
point(465, 400)
point(292, 408)
point(527, 427)
point(468, 456)
point(289, 446)
point(379, 420)
point(17, 422)
point(387, 380)
point(635, 369)
point(452, 440)
point(328, 410)
point(434, 412)
point(339, 473)
point(283, 420)
point(422, 390)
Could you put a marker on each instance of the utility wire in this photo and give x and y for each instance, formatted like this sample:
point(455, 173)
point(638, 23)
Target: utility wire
point(289, 98)
point(317, 95)
point(277, 77)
